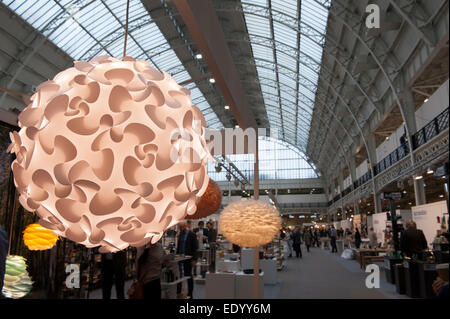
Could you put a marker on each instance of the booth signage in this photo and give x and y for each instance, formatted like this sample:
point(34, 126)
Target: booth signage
point(392, 195)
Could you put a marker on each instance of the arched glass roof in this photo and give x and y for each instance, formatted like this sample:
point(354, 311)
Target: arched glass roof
point(88, 28)
point(277, 160)
point(287, 39)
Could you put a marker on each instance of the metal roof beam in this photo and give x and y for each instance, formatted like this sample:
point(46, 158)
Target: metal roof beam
point(201, 19)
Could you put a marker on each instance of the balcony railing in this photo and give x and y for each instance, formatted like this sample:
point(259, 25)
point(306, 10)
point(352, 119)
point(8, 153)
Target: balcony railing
point(399, 153)
point(433, 128)
point(422, 136)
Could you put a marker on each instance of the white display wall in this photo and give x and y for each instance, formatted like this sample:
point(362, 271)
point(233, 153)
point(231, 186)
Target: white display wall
point(346, 224)
point(426, 218)
point(379, 225)
point(356, 223)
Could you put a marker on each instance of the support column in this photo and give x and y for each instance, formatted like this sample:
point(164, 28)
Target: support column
point(352, 168)
point(341, 186)
point(409, 109)
point(372, 153)
point(419, 192)
point(256, 249)
point(377, 200)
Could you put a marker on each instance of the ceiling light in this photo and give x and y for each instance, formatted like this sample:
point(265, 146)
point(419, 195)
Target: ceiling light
point(227, 107)
point(404, 192)
point(100, 83)
point(430, 171)
point(198, 56)
point(425, 101)
point(418, 177)
point(212, 80)
point(441, 196)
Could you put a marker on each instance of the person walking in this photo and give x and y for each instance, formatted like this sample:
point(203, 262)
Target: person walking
point(333, 234)
point(357, 239)
point(412, 241)
point(296, 242)
point(316, 238)
point(373, 240)
point(151, 258)
point(308, 238)
point(113, 271)
point(188, 246)
point(288, 240)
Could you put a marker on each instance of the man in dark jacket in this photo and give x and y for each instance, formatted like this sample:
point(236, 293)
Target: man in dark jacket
point(3, 253)
point(212, 233)
point(413, 240)
point(187, 245)
point(296, 242)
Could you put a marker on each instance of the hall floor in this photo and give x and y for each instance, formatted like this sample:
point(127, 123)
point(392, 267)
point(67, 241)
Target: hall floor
point(318, 275)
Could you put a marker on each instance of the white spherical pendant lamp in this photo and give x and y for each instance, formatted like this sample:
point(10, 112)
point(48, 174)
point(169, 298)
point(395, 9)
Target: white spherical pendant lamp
point(111, 153)
point(249, 223)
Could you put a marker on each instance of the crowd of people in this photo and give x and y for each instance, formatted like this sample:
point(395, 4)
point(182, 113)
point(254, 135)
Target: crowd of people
point(151, 259)
point(311, 236)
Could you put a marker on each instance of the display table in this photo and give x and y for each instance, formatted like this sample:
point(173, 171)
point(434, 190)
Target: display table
point(361, 255)
point(220, 285)
point(269, 268)
point(244, 285)
point(228, 265)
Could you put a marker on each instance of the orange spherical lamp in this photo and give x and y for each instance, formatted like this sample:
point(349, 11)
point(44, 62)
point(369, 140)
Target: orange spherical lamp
point(110, 153)
point(209, 202)
point(37, 237)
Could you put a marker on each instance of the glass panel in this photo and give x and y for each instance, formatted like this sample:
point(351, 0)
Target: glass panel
point(85, 29)
point(277, 160)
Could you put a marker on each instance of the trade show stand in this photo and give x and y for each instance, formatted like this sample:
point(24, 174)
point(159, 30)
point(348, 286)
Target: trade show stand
point(233, 285)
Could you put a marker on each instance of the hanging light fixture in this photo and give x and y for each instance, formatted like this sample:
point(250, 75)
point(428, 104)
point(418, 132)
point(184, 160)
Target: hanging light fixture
point(249, 223)
point(37, 237)
point(111, 153)
point(17, 282)
point(209, 202)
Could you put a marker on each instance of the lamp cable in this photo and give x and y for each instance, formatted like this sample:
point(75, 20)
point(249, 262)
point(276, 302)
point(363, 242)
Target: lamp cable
point(126, 31)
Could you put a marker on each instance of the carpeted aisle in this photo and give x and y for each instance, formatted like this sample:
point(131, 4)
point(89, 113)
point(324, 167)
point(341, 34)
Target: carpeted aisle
point(323, 275)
